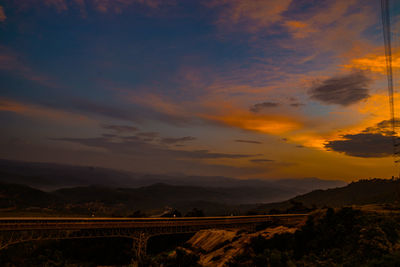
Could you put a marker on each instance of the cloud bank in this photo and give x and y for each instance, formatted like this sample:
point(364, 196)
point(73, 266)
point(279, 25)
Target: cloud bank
point(373, 142)
point(342, 90)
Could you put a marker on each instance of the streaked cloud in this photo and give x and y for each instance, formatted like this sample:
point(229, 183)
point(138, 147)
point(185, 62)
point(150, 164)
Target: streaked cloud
point(118, 6)
point(248, 141)
point(249, 15)
point(299, 29)
point(178, 140)
point(148, 134)
point(121, 128)
point(103, 109)
point(345, 21)
point(3, 16)
point(261, 160)
point(296, 105)
point(102, 6)
point(145, 149)
point(40, 112)
point(265, 105)
point(14, 63)
point(166, 109)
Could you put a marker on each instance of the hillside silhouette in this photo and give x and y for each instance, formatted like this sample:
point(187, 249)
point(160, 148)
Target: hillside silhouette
point(362, 192)
point(51, 176)
point(111, 201)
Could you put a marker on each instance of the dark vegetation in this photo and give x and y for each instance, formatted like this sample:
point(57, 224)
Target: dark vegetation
point(90, 252)
point(180, 258)
point(83, 252)
point(172, 213)
point(345, 237)
point(195, 213)
point(162, 243)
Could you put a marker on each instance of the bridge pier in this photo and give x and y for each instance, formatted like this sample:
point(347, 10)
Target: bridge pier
point(139, 244)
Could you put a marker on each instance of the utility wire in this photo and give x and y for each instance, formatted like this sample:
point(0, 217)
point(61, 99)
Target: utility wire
point(385, 12)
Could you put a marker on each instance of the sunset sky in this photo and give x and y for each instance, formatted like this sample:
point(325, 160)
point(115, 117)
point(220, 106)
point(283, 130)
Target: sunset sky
point(239, 88)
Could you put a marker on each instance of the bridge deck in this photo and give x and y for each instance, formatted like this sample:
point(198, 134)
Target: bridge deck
point(11, 224)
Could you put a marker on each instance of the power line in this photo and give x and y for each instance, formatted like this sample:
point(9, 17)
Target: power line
point(385, 12)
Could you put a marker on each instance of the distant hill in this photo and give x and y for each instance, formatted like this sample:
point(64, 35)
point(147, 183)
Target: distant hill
point(22, 196)
point(112, 201)
point(306, 185)
point(49, 176)
point(363, 192)
point(213, 200)
point(82, 188)
point(163, 194)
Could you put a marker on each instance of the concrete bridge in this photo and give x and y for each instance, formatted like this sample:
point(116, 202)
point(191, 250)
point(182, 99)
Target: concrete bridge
point(17, 230)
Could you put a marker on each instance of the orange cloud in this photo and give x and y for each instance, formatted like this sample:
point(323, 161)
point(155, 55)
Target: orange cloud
point(352, 120)
point(376, 109)
point(374, 62)
point(299, 29)
point(370, 112)
point(223, 111)
point(260, 123)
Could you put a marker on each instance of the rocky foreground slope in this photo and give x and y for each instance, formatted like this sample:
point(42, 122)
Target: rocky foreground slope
point(330, 237)
point(218, 247)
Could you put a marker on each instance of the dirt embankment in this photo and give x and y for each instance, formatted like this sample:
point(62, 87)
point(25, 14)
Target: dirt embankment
point(217, 247)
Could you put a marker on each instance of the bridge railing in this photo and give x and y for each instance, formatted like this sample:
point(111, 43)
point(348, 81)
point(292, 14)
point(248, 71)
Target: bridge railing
point(85, 223)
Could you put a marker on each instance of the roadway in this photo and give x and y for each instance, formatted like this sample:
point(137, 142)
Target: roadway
point(31, 223)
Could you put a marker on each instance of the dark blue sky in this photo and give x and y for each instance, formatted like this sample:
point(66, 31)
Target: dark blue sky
point(215, 87)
